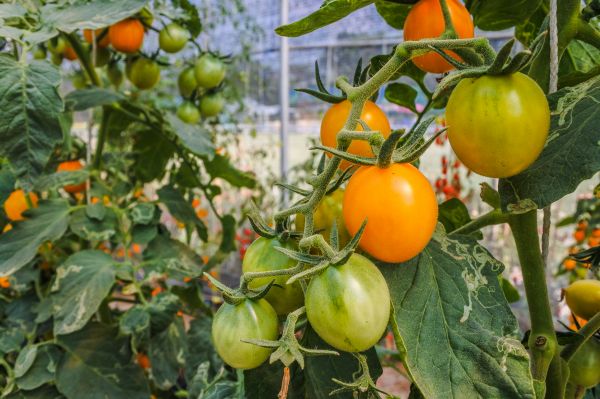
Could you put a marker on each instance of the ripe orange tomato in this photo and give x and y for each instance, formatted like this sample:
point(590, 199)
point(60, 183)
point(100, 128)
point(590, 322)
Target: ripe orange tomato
point(335, 119)
point(569, 264)
point(69, 166)
point(426, 21)
point(104, 42)
point(70, 54)
point(400, 207)
point(143, 361)
point(16, 204)
point(579, 235)
point(127, 36)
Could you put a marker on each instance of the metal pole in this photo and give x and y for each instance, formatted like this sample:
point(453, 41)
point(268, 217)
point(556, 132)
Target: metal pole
point(284, 101)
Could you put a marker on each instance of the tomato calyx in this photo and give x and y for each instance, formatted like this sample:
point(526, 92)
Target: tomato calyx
point(501, 64)
point(237, 296)
point(363, 383)
point(589, 257)
point(282, 230)
point(288, 349)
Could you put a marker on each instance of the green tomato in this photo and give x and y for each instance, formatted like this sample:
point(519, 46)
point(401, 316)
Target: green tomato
point(115, 75)
point(56, 59)
point(144, 73)
point(498, 125)
point(173, 38)
point(102, 56)
point(188, 112)
point(39, 53)
point(57, 45)
point(328, 211)
point(246, 320)
point(187, 82)
point(79, 80)
point(210, 71)
point(212, 104)
point(583, 298)
point(585, 365)
point(262, 256)
point(349, 305)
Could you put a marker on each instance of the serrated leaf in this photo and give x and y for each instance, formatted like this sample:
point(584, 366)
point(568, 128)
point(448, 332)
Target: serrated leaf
point(200, 347)
point(42, 369)
point(108, 373)
point(194, 137)
point(450, 317)
point(165, 254)
point(81, 284)
point(403, 95)
point(167, 355)
point(572, 152)
point(71, 16)
point(221, 167)
point(18, 246)
point(29, 122)
point(90, 229)
point(60, 179)
point(499, 14)
point(143, 213)
point(80, 100)
point(330, 12)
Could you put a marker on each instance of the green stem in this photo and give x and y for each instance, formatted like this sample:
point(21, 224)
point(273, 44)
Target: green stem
point(586, 332)
point(588, 34)
point(102, 132)
point(542, 340)
point(449, 32)
point(84, 58)
point(487, 219)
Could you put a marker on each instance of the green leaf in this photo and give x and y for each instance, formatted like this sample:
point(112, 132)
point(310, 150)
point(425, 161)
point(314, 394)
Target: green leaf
point(80, 100)
point(82, 282)
point(135, 322)
point(12, 10)
point(182, 210)
point(60, 179)
point(528, 29)
point(152, 152)
point(92, 229)
point(454, 214)
point(393, 13)
point(98, 365)
point(572, 151)
point(221, 167)
point(45, 392)
point(144, 213)
point(25, 360)
point(402, 94)
point(579, 63)
point(200, 347)
point(229, 225)
point(29, 121)
point(194, 137)
point(19, 246)
point(167, 355)
point(500, 14)
point(451, 319)
point(510, 292)
point(168, 255)
point(162, 311)
point(42, 370)
point(407, 69)
point(265, 381)
point(490, 196)
point(201, 386)
point(71, 16)
point(330, 12)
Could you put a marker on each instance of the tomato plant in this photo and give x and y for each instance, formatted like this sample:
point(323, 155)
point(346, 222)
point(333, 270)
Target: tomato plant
point(188, 112)
point(585, 366)
point(583, 298)
point(144, 73)
point(212, 104)
point(209, 71)
point(126, 36)
point(173, 37)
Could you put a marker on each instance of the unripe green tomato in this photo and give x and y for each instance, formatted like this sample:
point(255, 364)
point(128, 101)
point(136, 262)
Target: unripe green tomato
point(79, 80)
point(57, 45)
point(349, 305)
point(115, 75)
point(210, 71)
point(262, 256)
point(328, 211)
point(187, 82)
point(173, 38)
point(102, 56)
point(188, 112)
point(39, 53)
point(56, 59)
point(144, 73)
point(212, 104)
point(584, 366)
point(247, 320)
point(583, 298)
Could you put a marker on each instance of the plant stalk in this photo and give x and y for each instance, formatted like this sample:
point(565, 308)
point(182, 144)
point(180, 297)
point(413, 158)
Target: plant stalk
point(491, 218)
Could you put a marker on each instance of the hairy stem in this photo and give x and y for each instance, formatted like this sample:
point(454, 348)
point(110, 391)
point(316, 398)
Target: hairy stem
point(487, 219)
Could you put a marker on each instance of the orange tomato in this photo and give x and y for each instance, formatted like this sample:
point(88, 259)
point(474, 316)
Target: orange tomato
point(104, 42)
point(426, 21)
point(596, 233)
point(569, 264)
point(335, 119)
point(202, 213)
point(4, 283)
point(70, 166)
point(143, 360)
point(593, 242)
point(195, 203)
point(70, 54)
point(16, 204)
point(127, 36)
point(400, 207)
point(579, 235)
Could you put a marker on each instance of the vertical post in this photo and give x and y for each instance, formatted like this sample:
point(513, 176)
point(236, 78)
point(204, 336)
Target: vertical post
point(284, 101)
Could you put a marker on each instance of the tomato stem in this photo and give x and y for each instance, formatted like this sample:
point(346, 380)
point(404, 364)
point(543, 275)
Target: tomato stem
point(542, 340)
point(449, 32)
point(587, 331)
point(487, 219)
point(84, 58)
